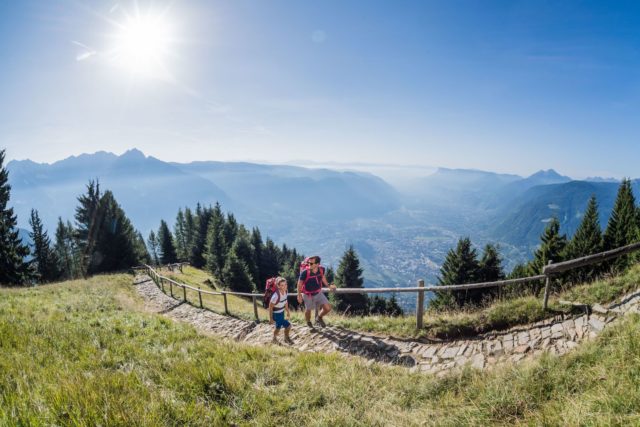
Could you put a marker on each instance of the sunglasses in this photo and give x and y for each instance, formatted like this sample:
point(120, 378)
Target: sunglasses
point(312, 263)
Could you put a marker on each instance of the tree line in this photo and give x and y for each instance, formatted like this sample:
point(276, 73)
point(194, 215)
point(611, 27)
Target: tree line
point(462, 266)
point(242, 261)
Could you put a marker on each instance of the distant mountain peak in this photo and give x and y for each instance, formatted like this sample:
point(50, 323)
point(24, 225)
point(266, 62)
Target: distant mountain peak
point(134, 153)
point(548, 175)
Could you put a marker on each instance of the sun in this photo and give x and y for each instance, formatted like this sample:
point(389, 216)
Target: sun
point(142, 44)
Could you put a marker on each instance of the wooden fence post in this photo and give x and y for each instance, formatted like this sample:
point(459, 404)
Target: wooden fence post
point(200, 297)
point(184, 293)
point(226, 309)
point(162, 284)
point(171, 288)
point(420, 306)
point(546, 290)
point(255, 308)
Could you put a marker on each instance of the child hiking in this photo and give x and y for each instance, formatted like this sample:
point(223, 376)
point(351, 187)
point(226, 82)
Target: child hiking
point(310, 284)
point(278, 305)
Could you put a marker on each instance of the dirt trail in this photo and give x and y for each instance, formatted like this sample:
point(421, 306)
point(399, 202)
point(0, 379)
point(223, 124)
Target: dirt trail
point(556, 335)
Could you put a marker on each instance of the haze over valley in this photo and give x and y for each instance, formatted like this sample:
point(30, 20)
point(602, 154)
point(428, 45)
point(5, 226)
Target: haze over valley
point(402, 233)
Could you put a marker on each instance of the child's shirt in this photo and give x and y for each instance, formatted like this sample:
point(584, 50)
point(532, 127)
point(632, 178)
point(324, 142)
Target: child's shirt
point(279, 301)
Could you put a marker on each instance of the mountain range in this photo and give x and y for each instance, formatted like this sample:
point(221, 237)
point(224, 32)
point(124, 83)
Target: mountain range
point(401, 233)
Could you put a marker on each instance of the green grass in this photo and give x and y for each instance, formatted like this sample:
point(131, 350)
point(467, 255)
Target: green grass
point(84, 353)
point(437, 324)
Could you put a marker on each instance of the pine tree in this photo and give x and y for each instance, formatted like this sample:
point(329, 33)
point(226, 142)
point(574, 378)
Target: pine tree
point(67, 251)
point(154, 247)
point(587, 240)
point(13, 269)
point(244, 251)
point(142, 253)
point(552, 248)
point(199, 248)
point(270, 259)
point(490, 265)
point(489, 270)
point(349, 275)
point(166, 246)
point(552, 245)
point(190, 230)
point(235, 274)
point(460, 266)
point(180, 233)
point(622, 228)
point(44, 258)
point(230, 230)
point(393, 308)
point(216, 249)
point(116, 247)
point(88, 224)
point(258, 248)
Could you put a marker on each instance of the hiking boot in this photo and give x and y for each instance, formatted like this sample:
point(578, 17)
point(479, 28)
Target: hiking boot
point(288, 340)
point(310, 325)
point(275, 341)
point(320, 322)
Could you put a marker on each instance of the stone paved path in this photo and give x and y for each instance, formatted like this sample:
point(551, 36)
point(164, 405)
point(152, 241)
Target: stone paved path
point(555, 335)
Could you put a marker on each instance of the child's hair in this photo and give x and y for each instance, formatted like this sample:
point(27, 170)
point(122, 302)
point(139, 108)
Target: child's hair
point(280, 279)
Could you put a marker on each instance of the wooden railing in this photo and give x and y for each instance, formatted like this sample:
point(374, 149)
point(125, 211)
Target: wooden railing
point(548, 272)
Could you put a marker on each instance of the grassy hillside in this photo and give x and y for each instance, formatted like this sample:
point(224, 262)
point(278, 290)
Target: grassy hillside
point(84, 353)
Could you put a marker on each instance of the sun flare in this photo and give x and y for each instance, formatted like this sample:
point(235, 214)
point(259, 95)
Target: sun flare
point(142, 44)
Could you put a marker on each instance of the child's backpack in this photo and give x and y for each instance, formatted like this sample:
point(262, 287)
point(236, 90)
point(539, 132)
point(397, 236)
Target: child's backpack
point(269, 288)
point(304, 265)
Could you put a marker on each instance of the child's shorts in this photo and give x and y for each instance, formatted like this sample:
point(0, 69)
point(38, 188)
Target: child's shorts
point(281, 322)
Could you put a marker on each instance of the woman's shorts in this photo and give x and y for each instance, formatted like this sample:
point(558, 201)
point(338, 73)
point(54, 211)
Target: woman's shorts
point(312, 302)
point(281, 322)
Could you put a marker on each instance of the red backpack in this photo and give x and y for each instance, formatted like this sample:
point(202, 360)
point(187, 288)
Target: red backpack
point(304, 265)
point(269, 288)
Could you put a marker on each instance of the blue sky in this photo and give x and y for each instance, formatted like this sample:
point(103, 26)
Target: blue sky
point(511, 87)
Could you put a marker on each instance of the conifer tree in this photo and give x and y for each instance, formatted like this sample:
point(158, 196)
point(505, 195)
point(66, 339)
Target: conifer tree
point(552, 245)
point(244, 251)
point(270, 259)
point(116, 247)
point(460, 266)
point(216, 247)
point(490, 265)
point(199, 248)
point(154, 247)
point(67, 251)
point(190, 230)
point(230, 230)
point(489, 270)
point(44, 260)
point(377, 305)
point(622, 228)
point(88, 224)
point(258, 248)
point(552, 248)
point(180, 233)
point(587, 240)
point(349, 275)
point(13, 269)
point(142, 253)
point(235, 274)
point(166, 246)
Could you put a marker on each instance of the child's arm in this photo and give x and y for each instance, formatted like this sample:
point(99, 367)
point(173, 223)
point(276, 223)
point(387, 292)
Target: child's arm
point(286, 308)
point(270, 313)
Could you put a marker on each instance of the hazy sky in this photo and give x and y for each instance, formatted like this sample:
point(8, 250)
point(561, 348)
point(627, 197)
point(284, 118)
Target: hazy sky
point(508, 86)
